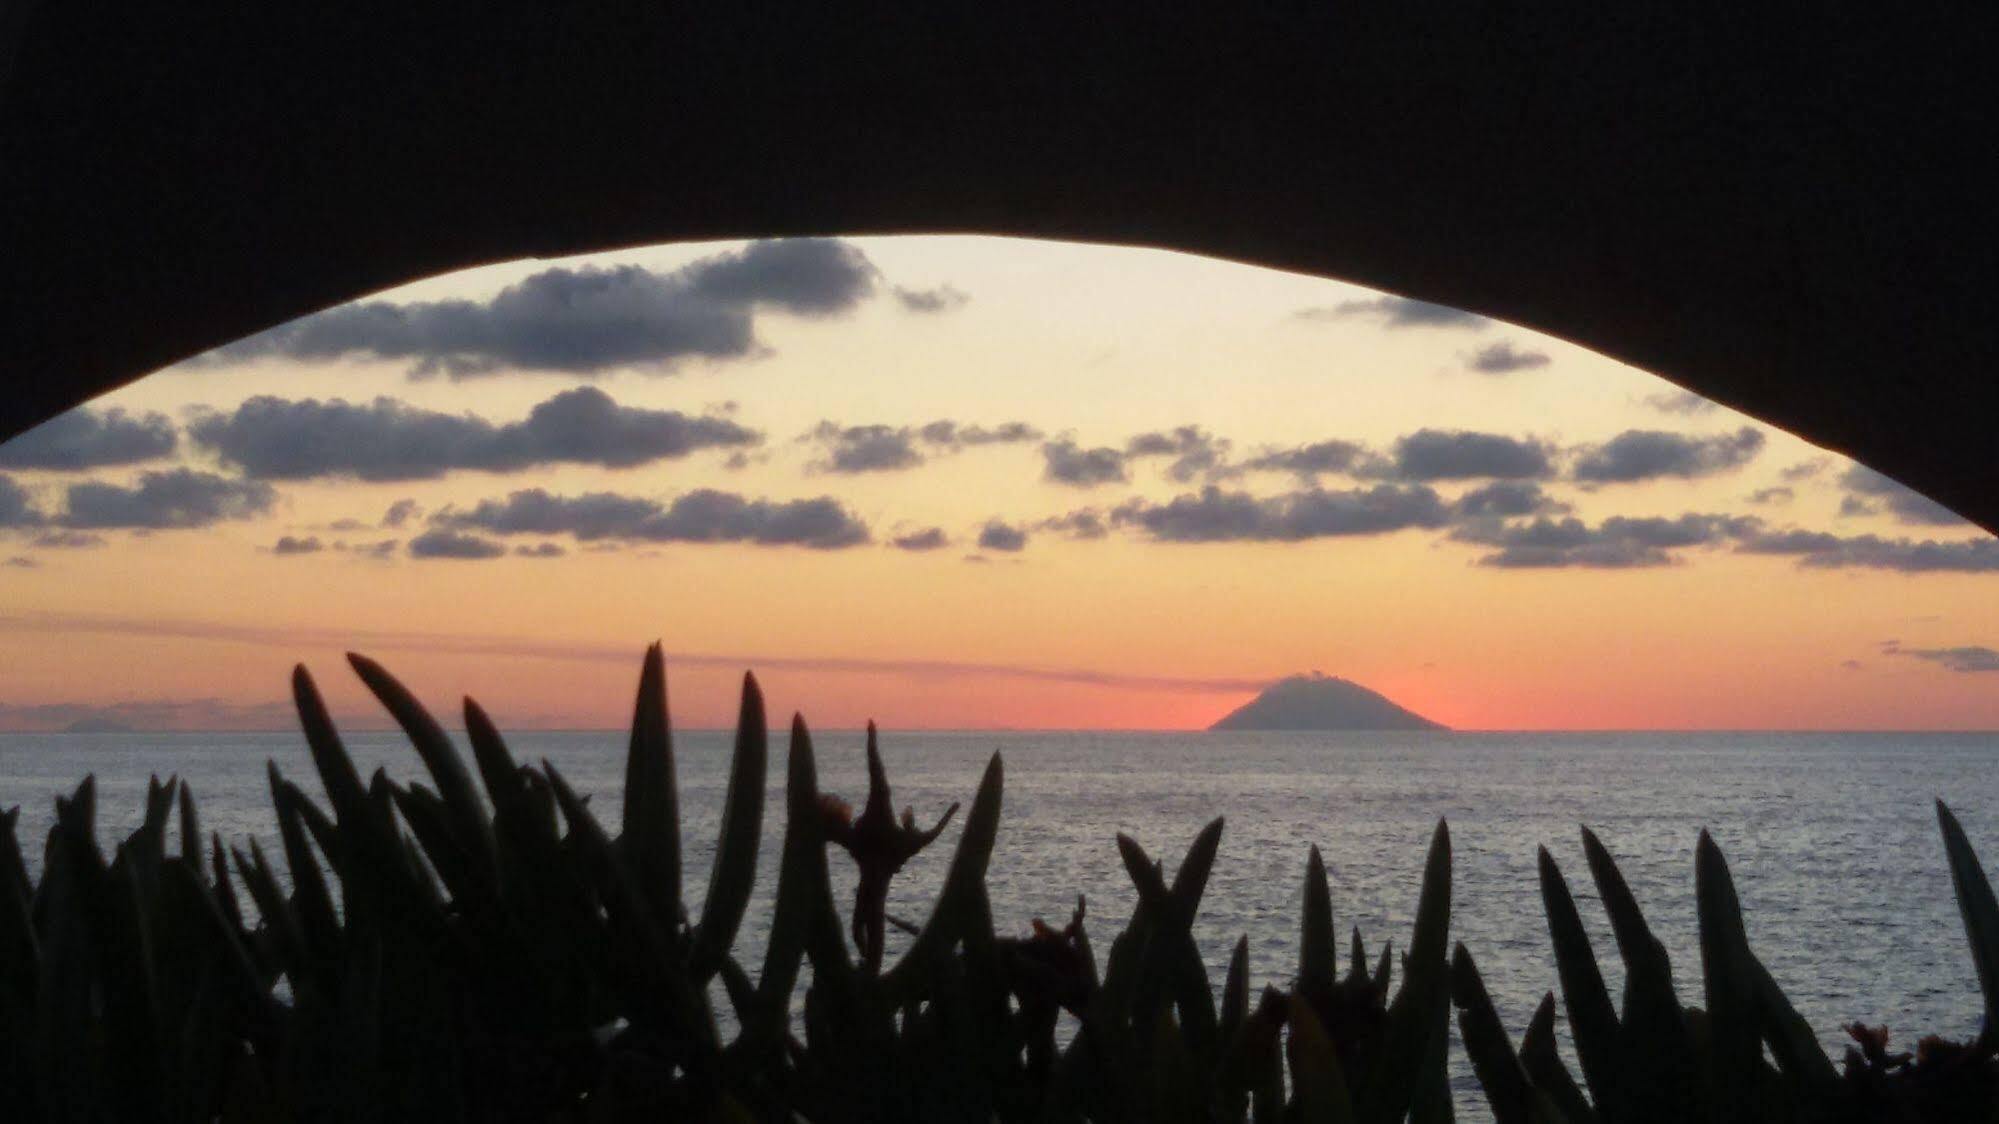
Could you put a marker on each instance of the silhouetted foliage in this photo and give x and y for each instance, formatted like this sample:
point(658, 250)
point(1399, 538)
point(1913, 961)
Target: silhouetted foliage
point(503, 957)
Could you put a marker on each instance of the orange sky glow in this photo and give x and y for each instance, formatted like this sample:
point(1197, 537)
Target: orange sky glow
point(1716, 574)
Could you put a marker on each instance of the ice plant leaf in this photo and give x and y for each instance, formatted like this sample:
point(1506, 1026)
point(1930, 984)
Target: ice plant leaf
point(190, 827)
point(498, 770)
point(1421, 1010)
point(650, 841)
point(742, 826)
point(1661, 1073)
point(447, 768)
point(1592, 1017)
point(1315, 940)
point(1975, 903)
point(966, 876)
point(1730, 976)
point(1491, 1052)
point(1545, 1068)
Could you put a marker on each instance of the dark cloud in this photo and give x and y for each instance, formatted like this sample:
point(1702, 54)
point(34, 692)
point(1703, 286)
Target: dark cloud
point(1503, 358)
point(1195, 453)
point(865, 448)
point(943, 298)
point(86, 438)
point(1804, 470)
point(1769, 496)
point(585, 321)
point(1851, 665)
point(401, 512)
point(1503, 498)
point(1969, 659)
point(929, 538)
point(1309, 462)
point(884, 448)
point(275, 439)
point(1456, 454)
point(1397, 312)
point(1650, 454)
point(1619, 542)
point(1684, 402)
point(1217, 516)
point(1065, 462)
point(703, 516)
point(22, 562)
point(66, 540)
point(1865, 487)
point(288, 544)
point(1826, 551)
point(1003, 537)
point(17, 507)
point(540, 550)
point(179, 499)
point(1083, 525)
point(441, 543)
point(951, 434)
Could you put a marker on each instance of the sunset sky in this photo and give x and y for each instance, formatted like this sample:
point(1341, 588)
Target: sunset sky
point(962, 482)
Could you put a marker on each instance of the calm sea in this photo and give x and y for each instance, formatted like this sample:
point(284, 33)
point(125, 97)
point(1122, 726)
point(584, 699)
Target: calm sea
point(1831, 837)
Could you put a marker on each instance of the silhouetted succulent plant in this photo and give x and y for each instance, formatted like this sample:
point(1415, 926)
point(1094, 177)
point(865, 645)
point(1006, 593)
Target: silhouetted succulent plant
point(488, 951)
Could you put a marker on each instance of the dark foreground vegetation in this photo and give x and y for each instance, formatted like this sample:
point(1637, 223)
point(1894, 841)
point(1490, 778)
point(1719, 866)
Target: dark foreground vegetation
point(505, 956)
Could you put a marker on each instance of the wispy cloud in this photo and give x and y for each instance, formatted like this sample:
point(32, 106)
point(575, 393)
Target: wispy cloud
point(324, 639)
point(1396, 312)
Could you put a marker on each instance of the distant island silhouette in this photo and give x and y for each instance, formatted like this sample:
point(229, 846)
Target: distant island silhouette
point(1322, 702)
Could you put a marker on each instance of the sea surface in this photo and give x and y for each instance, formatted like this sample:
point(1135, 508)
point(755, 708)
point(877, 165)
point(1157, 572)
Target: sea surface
point(1832, 838)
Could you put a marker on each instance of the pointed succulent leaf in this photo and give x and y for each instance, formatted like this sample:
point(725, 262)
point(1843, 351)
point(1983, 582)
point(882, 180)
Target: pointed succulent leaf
point(1792, 1043)
point(1491, 1051)
point(310, 898)
point(650, 840)
point(1592, 1016)
point(1315, 941)
point(1729, 971)
point(804, 916)
point(1659, 1068)
point(1235, 991)
point(498, 770)
point(1546, 1070)
point(735, 867)
point(454, 784)
point(1976, 904)
point(329, 756)
point(190, 827)
point(966, 878)
point(1421, 1010)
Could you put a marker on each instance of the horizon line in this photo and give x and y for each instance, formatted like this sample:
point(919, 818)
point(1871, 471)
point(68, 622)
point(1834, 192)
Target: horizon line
point(364, 728)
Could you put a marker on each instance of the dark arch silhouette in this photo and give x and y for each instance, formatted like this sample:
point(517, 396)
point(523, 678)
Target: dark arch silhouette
point(1782, 210)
